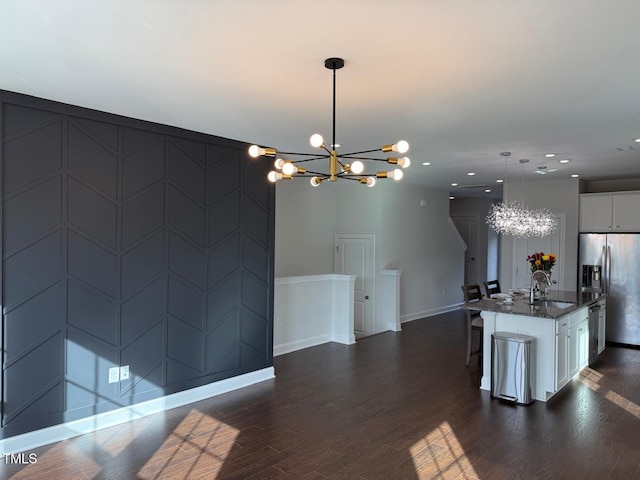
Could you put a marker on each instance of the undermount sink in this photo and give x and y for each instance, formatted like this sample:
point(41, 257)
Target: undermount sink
point(553, 304)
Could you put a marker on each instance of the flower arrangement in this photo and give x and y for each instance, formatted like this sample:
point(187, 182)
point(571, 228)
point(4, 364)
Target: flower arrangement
point(542, 261)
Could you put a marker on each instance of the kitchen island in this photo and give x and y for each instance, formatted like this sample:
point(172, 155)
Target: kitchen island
point(560, 325)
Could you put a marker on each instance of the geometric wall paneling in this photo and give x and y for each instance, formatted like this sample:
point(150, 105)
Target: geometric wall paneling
point(87, 369)
point(253, 174)
point(223, 217)
point(142, 311)
point(91, 312)
point(224, 259)
point(255, 257)
point(222, 342)
point(143, 168)
point(186, 216)
point(134, 139)
point(144, 357)
point(253, 330)
point(42, 366)
point(32, 213)
point(44, 410)
point(250, 356)
point(254, 293)
point(17, 118)
point(90, 159)
point(223, 299)
point(184, 344)
point(193, 148)
point(105, 133)
point(31, 156)
point(92, 213)
point(32, 270)
point(187, 173)
point(181, 375)
point(186, 303)
point(126, 243)
point(186, 259)
point(223, 173)
point(255, 219)
point(142, 215)
point(92, 264)
point(142, 263)
point(31, 323)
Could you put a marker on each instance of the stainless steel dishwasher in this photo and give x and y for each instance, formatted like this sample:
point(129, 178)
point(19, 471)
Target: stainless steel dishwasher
point(512, 356)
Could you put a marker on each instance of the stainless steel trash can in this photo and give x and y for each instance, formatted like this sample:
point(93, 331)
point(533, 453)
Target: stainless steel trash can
point(511, 358)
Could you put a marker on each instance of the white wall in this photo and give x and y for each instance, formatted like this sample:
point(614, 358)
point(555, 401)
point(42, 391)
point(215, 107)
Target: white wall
point(409, 237)
point(558, 196)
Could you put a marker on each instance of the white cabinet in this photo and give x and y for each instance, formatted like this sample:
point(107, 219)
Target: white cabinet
point(562, 359)
point(610, 212)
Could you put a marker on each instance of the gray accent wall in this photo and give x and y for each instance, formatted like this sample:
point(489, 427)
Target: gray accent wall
point(125, 243)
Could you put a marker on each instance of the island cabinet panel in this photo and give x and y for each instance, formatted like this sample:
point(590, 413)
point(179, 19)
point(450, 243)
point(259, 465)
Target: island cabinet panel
point(610, 212)
point(558, 354)
point(562, 359)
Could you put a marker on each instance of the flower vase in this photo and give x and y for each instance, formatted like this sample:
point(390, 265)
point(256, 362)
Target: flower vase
point(543, 285)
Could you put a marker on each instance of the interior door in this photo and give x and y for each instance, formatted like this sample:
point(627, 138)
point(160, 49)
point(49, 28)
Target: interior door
point(468, 227)
point(353, 255)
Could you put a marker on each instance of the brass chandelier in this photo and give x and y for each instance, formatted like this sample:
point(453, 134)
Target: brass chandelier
point(348, 166)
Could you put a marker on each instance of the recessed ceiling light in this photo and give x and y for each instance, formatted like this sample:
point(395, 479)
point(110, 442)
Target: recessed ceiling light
point(454, 184)
point(499, 180)
point(575, 175)
point(637, 140)
point(451, 197)
point(565, 160)
point(487, 190)
point(426, 163)
point(549, 155)
point(471, 174)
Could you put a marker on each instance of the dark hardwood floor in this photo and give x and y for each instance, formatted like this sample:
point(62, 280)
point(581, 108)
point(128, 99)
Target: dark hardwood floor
point(399, 405)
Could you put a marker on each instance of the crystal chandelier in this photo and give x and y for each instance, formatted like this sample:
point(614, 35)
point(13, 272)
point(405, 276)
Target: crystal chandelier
point(512, 218)
point(348, 166)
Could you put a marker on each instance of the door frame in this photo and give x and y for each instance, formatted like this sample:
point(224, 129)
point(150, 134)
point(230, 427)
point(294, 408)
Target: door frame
point(370, 322)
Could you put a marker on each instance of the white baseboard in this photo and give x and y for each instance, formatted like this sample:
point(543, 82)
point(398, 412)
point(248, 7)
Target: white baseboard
point(344, 339)
point(289, 347)
point(429, 313)
point(394, 327)
point(56, 433)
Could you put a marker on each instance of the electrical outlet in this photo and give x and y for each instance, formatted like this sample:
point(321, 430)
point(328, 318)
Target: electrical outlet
point(124, 372)
point(114, 374)
point(443, 294)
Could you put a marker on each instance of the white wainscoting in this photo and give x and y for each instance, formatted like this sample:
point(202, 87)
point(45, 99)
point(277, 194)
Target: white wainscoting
point(311, 310)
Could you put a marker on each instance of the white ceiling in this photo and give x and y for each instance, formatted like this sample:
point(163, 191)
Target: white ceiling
point(460, 80)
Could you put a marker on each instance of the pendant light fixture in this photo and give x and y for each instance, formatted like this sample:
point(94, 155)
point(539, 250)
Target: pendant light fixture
point(348, 166)
point(513, 218)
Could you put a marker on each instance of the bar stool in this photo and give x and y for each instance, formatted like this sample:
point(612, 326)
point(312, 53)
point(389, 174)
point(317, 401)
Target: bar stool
point(491, 287)
point(475, 322)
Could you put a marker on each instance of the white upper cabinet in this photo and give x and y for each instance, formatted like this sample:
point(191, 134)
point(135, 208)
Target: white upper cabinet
point(610, 212)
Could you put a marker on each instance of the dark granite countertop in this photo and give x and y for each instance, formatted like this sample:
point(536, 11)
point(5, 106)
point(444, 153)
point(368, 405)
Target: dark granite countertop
point(542, 308)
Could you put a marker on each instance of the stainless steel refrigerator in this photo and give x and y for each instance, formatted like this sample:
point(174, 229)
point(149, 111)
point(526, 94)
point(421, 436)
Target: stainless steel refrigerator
point(610, 263)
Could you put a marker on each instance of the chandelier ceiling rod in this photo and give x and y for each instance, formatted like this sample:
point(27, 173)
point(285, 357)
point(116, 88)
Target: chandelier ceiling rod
point(338, 167)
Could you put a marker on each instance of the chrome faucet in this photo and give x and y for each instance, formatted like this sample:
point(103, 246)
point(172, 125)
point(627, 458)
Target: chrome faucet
point(533, 279)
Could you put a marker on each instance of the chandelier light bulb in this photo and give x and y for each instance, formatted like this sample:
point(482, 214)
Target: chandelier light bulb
point(279, 163)
point(316, 140)
point(315, 181)
point(371, 181)
point(401, 147)
point(255, 151)
point(357, 167)
point(404, 162)
point(274, 176)
point(396, 174)
point(289, 168)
